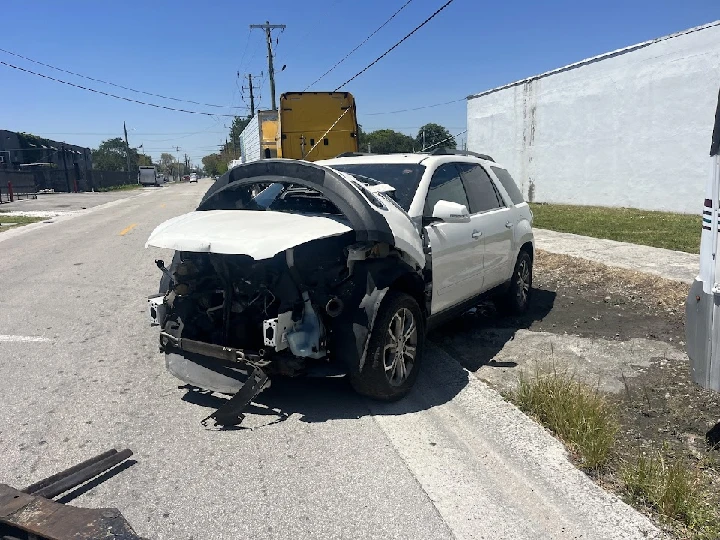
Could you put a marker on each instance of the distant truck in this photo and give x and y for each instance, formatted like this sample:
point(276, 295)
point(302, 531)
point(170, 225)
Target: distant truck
point(309, 126)
point(258, 139)
point(147, 176)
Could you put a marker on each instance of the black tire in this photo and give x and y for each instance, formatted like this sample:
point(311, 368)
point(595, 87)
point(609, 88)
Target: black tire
point(516, 300)
point(374, 380)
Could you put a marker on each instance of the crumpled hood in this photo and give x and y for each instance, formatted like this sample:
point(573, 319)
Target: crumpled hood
point(226, 223)
point(260, 235)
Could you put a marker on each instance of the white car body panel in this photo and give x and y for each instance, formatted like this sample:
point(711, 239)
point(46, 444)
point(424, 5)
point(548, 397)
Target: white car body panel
point(497, 234)
point(467, 258)
point(407, 237)
point(456, 263)
point(260, 235)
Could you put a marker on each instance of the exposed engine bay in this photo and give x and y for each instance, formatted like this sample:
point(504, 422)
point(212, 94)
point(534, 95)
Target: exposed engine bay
point(240, 319)
point(275, 308)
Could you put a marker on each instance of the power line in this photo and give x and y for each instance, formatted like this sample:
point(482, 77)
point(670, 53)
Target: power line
point(110, 83)
point(446, 139)
point(240, 67)
point(416, 108)
point(383, 55)
point(242, 59)
point(115, 96)
point(361, 44)
point(113, 132)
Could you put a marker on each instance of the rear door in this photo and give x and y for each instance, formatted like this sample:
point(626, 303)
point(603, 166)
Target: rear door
point(457, 250)
point(493, 219)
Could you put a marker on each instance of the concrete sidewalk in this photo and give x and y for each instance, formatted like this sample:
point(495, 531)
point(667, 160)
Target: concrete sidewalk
point(675, 265)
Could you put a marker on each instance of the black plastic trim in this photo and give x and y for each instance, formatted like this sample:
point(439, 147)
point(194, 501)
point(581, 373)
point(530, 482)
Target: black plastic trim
point(368, 224)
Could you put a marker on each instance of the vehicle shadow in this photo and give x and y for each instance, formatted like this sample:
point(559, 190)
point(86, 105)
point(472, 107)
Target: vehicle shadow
point(475, 338)
point(472, 341)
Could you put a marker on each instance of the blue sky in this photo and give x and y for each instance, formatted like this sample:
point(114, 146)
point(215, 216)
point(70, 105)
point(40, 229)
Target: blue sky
point(192, 51)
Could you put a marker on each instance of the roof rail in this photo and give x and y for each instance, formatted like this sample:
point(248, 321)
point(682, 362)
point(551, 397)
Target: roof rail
point(453, 152)
point(353, 154)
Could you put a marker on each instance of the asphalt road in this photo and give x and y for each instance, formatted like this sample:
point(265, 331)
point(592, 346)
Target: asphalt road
point(81, 373)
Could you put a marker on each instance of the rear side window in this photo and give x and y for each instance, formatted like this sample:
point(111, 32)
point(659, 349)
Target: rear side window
point(480, 189)
point(446, 185)
point(509, 184)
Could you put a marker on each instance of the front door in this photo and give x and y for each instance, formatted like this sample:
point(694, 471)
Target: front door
point(457, 248)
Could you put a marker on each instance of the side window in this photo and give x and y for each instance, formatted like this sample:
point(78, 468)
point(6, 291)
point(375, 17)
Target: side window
point(481, 190)
point(509, 185)
point(445, 185)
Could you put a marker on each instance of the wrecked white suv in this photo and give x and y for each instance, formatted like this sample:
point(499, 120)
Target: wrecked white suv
point(341, 266)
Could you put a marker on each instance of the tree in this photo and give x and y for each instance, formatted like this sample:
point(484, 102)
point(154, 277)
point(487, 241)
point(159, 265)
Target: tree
point(166, 162)
point(144, 160)
point(212, 164)
point(387, 141)
point(362, 139)
point(111, 155)
point(436, 136)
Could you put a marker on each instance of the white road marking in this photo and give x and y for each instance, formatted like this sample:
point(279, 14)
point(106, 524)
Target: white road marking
point(22, 339)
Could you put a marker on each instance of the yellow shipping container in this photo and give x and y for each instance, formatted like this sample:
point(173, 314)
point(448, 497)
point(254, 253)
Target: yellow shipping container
point(305, 117)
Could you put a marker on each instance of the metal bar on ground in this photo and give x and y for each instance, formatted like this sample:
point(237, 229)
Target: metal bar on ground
point(67, 472)
point(83, 475)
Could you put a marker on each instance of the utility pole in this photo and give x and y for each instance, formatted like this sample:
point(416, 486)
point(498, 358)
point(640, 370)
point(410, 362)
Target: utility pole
point(67, 177)
point(423, 131)
point(252, 97)
point(268, 34)
point(177, 149)
point(186, 163)
point(127, 153)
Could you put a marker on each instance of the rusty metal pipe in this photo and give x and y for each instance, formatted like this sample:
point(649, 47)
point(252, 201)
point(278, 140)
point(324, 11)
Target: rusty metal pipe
point(83, 475)
point(67, 472)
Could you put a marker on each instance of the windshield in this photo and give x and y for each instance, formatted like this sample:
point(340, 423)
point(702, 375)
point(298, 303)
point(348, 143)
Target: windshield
point(404, 177)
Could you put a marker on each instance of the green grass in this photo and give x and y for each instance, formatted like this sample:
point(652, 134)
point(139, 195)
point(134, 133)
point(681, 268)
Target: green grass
point(20, 220)
point(680, 232)
point(578, 414)
point(124, 187)
point(673, 488)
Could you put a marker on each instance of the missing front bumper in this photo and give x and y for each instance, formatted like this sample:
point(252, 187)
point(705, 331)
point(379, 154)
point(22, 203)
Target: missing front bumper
point(222, 369)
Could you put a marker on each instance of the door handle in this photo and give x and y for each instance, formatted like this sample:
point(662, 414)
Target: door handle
point(476, 235)
point(508, 225)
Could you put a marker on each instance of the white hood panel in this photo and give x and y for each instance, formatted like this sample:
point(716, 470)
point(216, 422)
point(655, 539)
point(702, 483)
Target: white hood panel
point(259, 234)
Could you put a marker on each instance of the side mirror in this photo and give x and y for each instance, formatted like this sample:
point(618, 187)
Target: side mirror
point(449, 212)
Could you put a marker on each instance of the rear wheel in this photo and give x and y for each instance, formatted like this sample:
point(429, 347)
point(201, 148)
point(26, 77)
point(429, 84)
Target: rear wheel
point(395, 350)
point(516, 299)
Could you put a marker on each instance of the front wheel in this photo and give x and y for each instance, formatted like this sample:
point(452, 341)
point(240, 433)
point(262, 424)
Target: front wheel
point(395, 350)
point(516, 299)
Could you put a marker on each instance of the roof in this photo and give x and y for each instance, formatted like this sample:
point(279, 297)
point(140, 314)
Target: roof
point(598, 58)
point(369, 159)
point(375, 158)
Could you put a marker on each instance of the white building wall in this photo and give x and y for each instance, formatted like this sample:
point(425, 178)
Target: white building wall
point(629, 129)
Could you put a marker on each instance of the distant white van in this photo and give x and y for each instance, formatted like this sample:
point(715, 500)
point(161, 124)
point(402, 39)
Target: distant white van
point(193, 177)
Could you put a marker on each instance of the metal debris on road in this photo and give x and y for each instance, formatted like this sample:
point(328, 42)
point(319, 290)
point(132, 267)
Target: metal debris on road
point(30, 513)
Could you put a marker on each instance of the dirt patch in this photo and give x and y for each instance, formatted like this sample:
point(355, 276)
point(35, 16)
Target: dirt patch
point(619, 329)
